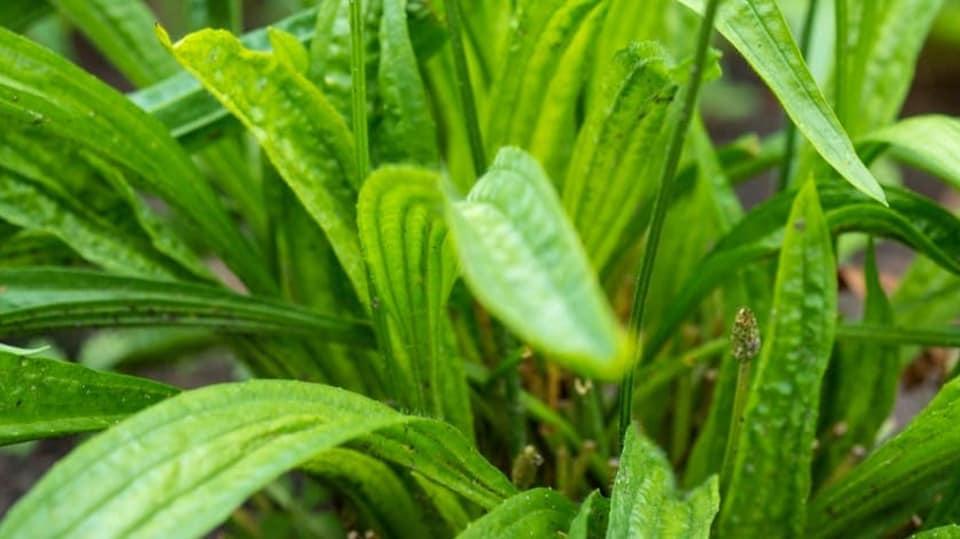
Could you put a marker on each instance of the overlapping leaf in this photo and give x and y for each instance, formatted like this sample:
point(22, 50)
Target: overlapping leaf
point(523, 261)
point(930, 143)
point(535, 513)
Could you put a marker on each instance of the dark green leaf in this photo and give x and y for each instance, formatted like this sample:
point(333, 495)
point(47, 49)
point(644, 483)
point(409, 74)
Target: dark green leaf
point(591, 521)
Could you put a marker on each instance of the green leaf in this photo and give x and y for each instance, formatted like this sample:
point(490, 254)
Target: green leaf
point(312, 150)
point(18, 15)
point(109, 349)
point(645, 501)
point(45, 96)
point(911, 219)
point(770, 479)
point(617, 158)
point(41, 299)
point(120, 30)
point(408, 133)
point(196, 457)
point(930, 143)
point(539, 512)
point(896, 473)
point(591, 521)
point(951, 531)
point(44, 398)
point(759, 32)
point(522, 259)
point(400, 217)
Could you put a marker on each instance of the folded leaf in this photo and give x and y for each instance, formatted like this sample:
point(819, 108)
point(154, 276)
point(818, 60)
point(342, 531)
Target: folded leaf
point(182, 466)
point(645, 501)
point(759, 32)
point(770, 477)
point(44, 398)
point(535, 513)
point(522, 259)
point(41, 299)
point(312, 149)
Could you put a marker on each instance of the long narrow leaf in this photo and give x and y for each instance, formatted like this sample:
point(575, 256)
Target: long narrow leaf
point(534, 513)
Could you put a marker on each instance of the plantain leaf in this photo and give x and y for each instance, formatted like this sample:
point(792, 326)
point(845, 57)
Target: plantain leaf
point(645, 501)
point(625, 153)
point(118, 29)
point(18, 15)
point(408, 133)
point(759, 32)
point(180, 467)
point(44, 398)
point(312, 149)
point(591, 521)
point(930, 143)
point(539, 512)
point(951, 531)
point(400, 217)
point(522, 259)
point(43, 95)
point(770, 477)
point(910, 219)
point(41, 299)
point(107, 350)
point(895, 475)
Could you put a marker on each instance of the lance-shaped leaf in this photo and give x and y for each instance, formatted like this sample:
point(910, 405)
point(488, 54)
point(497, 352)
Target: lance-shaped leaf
point(181, 467)
point(770, 477)
point(522, 259)
point(759, 32)
point(400, 216)
point(645, 501)
point(118, 28)
point(43, 398)
point(617, 157)
point(302, 134)
point(535, 513)
point(911, 219)
point(41, 299)
point(929, 143)
point(896, 474)
point(46, 95)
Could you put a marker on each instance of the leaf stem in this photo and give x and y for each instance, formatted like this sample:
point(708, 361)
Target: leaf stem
point(736, 422)
point(358, 72)
point(790, 141)
point(462, 78)
point(661, 203)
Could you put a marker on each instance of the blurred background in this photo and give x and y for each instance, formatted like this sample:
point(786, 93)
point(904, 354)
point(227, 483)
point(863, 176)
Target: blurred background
point(735, 106)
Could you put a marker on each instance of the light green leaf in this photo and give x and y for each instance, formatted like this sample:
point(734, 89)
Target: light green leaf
point(930, 143)
point(535, 513)
point(611, 178)
point(591, 521)
point(400, 217)
point(951, 531)
point(759, 32)
point(109, 349)
point(896, 473)
point(120, 29)
point(645, 501)
point(522, 259)
point(312, 149)
point(42, 299)
point(44, 398)
point(770, 478)
point(197, 456)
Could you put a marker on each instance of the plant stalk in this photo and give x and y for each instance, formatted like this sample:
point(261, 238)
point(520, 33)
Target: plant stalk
point(661, 203)
point(840, 59)
point(462, 78)
point(358, 72)
point(736, 423)
point(790, 143)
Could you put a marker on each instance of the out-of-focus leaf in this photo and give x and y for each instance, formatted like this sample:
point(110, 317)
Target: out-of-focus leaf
point(44, 398)
point(860, 386)
point(770, 475)
point(400, 217)
point(759, 32)
point(617, 157)
point(311, 147)
point(591, 521)
point(120, 29)
point(196, 457)
point(46, 96)
point(646, 502)
point(42, 299)
point(109, 349)
point(930, 143)
point(535, 513)
point(894, 475)
point(521, 257)
point(17, 15)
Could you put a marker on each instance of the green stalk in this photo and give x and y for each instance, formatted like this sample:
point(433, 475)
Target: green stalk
point(462, 77)
point(660, 205)
point(736, 423)
point(840, 59)
point(902, 336)
point(358, 72)
point(791, 130)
